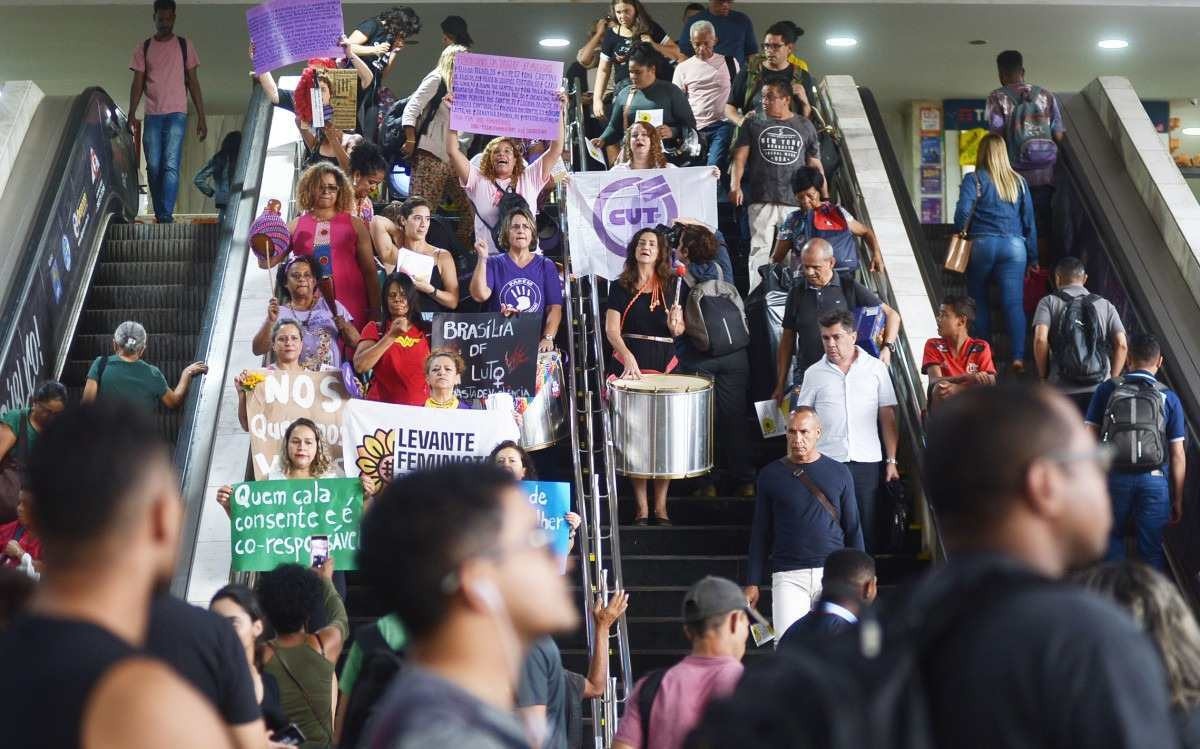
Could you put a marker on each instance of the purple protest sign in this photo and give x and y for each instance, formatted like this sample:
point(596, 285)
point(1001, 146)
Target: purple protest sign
point(511, 96)
point(287, 31)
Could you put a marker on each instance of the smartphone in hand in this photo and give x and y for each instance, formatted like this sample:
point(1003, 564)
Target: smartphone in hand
point(319, 546)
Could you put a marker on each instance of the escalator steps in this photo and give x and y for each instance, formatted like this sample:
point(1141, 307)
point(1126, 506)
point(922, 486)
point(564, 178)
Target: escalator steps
point(167, 295)
point(159, 345)
point(152, 273)
point(75, 371)
point(156, 320)
point(158, 250)
point(207, 233)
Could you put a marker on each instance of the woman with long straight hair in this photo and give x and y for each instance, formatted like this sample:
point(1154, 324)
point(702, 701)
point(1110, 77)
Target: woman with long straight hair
point(995, 204)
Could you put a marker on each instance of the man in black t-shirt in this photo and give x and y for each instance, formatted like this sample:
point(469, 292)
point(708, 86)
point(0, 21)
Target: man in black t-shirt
point(1020, 489)
point(766, 152)
point(203, 648)
point(822, 291)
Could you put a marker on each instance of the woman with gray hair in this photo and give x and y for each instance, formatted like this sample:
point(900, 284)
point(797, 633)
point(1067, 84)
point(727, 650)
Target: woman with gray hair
point(125, 375)
point(1159, 609)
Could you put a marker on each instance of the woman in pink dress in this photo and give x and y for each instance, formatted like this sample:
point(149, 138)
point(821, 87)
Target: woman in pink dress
point(340, 241)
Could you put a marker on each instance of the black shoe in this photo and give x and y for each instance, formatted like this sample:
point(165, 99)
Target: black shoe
point(643, 521)
point(662, 522)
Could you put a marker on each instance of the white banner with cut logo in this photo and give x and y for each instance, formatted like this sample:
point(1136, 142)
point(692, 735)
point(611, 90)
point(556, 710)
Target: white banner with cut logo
point(605, 210)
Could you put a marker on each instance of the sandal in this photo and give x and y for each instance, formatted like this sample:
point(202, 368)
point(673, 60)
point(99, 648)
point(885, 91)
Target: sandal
point(662, 522)
point(642, 521)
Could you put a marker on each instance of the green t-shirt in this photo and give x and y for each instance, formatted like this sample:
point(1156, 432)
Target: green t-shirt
point(393, 634)
point(12, 419)
point(134, 381)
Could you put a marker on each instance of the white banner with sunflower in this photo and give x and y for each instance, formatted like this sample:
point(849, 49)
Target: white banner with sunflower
point(381, 440)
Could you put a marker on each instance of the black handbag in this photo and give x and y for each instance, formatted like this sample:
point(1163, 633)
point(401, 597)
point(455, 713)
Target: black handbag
point(899, 513)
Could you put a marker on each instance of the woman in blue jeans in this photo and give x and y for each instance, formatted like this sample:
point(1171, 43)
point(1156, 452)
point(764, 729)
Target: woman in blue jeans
point(1004, 240)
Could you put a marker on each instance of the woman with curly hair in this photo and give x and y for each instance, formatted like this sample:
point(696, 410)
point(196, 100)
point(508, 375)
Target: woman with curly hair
point(340, 241)
point(303, 661)
point(642, 319)
point(642, 149)
point(305, 455)
point(502, 169)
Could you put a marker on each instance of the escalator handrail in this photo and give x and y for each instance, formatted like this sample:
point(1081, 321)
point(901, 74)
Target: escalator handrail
point(198, 425)
point(909, 392)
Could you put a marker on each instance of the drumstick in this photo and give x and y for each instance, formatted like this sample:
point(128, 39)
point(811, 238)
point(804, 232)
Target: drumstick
point(679, 271)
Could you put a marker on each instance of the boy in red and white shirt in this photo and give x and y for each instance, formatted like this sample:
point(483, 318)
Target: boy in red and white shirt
point(955, 360)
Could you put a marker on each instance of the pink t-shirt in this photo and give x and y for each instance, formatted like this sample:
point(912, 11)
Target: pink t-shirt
point(686, 690)
point(707, 84)
point(165, 89)
point(485, 197)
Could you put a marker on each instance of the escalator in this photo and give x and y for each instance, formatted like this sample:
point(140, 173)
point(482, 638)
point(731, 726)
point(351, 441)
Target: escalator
point(85, 266)
point(1104, 220)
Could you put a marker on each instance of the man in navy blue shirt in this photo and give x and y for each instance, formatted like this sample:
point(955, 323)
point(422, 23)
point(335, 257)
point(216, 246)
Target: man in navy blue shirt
point(1137, 489)
point(804, 511)
point(735, 31)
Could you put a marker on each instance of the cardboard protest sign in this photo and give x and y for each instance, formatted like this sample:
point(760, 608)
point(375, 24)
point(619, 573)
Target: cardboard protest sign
point(605, 210)
point(272, 522)
point(287, 31)
point(512, 96)
point(552, 501)
point(385, 440)
point(500, 352)
point(282, 397)
point(343, 97)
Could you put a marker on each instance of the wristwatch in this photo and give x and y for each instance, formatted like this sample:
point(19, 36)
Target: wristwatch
point(891, 461)
point(890, 346)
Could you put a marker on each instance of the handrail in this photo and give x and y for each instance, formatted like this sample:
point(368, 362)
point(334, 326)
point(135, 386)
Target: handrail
point(197, 430)
point(89, 177)
point(909, 392)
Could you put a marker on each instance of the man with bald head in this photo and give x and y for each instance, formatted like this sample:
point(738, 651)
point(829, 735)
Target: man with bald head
point(822, 291)
point(805, 510)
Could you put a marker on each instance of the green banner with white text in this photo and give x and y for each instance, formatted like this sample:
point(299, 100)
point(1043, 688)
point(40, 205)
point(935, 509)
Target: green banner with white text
point(274, 520)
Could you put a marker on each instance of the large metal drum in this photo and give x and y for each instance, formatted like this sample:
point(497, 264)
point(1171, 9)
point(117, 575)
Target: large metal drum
point(543, 423)
point(662, 426)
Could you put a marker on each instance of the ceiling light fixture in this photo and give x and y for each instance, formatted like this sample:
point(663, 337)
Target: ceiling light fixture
point(1191, 131)
point(841, 41)
point(977, 42)
point(1112, 44)
point(554, 41)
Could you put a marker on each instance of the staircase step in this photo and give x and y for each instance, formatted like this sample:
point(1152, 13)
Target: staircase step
point(157, 320)
point(702, 540)
point(661, 570)
point(695, 510)
point(180, 296)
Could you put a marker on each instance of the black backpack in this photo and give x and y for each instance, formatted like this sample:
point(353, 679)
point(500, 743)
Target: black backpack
point(391, 135)
point(510, 200)
point(1078, 343)
point(864, 688)
point(380, 666)
point(714, 317)
point(1135, 424)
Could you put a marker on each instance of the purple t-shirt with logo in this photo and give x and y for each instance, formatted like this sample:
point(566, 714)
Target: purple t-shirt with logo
point(530, 289)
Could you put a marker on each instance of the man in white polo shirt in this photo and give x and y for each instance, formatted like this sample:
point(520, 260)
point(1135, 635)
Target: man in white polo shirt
point(853, 394)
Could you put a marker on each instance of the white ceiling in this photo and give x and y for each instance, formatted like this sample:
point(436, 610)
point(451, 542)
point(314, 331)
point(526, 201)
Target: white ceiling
point(906, 50)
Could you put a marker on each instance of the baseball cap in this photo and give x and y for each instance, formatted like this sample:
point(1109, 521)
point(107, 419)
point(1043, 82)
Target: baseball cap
point(712, 596)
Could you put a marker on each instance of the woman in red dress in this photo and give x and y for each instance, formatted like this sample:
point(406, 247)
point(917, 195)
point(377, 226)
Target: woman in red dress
point(340, 241)
point(397, 349)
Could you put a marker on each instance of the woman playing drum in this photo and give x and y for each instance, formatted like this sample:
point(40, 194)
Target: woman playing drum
point(642, 320)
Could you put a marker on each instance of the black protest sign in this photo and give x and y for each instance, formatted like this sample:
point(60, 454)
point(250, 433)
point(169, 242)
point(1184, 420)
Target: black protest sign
point(500, 352)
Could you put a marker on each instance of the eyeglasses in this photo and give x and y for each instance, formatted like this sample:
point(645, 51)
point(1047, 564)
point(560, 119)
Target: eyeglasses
point(327, 188)
point(1102, 455)
point(772, 45)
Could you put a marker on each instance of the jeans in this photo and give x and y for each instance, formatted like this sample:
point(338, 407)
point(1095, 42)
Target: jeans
point(1001, 259)
point(793, 594)
point(718, 135)
point(1146, 497)
point(162, 140)
point(731, 382)
point(866, 489)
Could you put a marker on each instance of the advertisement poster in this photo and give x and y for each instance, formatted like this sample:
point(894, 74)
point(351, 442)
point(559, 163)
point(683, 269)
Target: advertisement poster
point(930, 120)
point(931, 149)
point(273, 521)
point(931, 210)
point(931, 180)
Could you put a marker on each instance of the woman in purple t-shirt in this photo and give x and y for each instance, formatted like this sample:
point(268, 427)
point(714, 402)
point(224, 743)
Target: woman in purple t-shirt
point(519, 281)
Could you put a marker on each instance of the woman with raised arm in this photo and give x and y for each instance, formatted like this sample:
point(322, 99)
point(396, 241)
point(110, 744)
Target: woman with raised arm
point(401, 229)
